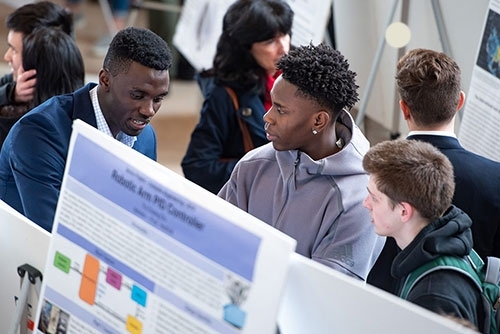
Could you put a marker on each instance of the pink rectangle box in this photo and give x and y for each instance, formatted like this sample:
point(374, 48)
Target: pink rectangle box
point(114, 278)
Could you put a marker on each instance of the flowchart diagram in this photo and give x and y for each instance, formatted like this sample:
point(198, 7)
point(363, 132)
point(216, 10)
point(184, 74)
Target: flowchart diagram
point(98, 287)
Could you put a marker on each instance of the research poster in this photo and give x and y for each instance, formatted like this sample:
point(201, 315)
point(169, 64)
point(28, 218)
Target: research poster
point(136, 248)
point(200, 25)
point(481, 117)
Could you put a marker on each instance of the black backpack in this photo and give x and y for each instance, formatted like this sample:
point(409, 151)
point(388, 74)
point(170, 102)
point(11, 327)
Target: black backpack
point(486, 277)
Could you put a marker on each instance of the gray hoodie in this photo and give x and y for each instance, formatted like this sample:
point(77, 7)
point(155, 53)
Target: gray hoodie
point(318, 203)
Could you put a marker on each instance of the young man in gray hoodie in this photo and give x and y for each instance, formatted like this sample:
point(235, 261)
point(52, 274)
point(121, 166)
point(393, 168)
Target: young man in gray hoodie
point(309, 181)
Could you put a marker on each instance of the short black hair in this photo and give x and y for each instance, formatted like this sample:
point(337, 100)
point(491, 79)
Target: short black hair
point(27, 18)
point(322, 74)
point(138, 45)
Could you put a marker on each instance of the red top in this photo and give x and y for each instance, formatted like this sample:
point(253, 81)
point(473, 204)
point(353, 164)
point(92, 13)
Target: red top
point(269, 84)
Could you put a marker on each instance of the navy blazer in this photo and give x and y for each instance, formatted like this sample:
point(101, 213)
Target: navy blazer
point(33, 157)
point(216, 143)
point(477, 191)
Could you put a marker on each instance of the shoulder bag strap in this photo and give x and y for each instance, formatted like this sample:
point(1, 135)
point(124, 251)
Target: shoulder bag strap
point(247, 140)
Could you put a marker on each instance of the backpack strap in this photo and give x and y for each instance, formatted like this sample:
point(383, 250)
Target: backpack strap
point(493, 270)
point(475, 260)
point(487, 279)
point(247, 139)
point(464, 265)
point(492, 276)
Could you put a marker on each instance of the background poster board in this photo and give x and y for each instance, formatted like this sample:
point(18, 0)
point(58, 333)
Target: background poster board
point(137, 248)
point(21, 241)
point(479, 129)
point(318, 299)
point(200, 25)
point(16, 3)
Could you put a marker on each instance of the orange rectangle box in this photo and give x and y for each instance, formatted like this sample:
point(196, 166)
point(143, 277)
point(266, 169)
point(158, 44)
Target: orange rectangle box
point(88, 286)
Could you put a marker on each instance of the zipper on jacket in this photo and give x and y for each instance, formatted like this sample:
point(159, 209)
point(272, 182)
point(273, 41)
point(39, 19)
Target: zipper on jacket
point(289, 182)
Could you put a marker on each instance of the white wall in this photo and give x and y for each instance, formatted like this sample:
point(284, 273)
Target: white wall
point(360, 24)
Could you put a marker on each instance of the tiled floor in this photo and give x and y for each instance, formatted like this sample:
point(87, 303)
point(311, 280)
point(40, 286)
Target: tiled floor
point(180, 110)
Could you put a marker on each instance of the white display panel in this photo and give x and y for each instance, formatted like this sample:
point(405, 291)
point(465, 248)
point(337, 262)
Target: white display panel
point(136, 248)
point(21, 242)
point(318, 299)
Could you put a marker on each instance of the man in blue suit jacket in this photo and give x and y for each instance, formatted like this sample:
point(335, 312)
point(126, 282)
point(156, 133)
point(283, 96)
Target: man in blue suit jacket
point(132, 84)
point(428, 83)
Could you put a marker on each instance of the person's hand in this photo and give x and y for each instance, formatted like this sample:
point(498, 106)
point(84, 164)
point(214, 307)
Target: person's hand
point(25, 85)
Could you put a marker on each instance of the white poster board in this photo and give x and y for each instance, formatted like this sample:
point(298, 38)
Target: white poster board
point(479, 129)
point(137, 248)
point(200, 25)
point(318, 299)
point(21, 242)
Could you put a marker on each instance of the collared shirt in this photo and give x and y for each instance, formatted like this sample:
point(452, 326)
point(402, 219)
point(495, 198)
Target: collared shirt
point(103, 126)
point(434, 133)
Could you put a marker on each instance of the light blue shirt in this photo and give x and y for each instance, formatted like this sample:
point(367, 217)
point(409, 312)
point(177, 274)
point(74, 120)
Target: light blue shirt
point(102, 125)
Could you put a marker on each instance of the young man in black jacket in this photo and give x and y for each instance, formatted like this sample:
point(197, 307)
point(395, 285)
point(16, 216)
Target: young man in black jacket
point(410, 190)
point(429, 86)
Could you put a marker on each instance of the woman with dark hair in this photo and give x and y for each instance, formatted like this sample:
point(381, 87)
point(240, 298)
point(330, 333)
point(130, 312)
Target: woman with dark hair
point(255, 34)
point(59, 70)
point(57, 60)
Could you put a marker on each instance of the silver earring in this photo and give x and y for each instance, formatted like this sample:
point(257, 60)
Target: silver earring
point(315, 132)
point(340, 143)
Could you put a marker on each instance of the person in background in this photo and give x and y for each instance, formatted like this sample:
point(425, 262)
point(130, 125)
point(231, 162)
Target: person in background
point(428, 83)
point(19, 86)
point(40, 49)
point(164, 23)
point(255, 34)
point(410, 192)
point(119, 8)
point(133, 81)
point(309, 181)
point(120, 11)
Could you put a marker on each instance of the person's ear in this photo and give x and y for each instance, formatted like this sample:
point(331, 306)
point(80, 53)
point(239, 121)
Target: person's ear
point(405, 110)
point(461, 100)
point(406, 211)
point(321, 120)
point(104, 78)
